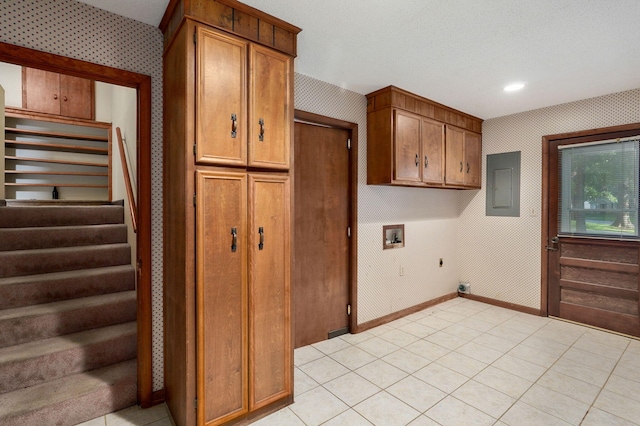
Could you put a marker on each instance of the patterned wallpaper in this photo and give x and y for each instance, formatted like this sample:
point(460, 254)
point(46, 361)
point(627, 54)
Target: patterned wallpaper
point(76, 30)
point(500, 256)
point(429, 216)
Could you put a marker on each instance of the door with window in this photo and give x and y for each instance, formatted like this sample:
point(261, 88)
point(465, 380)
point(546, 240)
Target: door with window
point(592, 240)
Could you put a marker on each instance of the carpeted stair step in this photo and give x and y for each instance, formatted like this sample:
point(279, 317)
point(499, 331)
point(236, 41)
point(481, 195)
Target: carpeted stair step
point(32, 262)
point(25, 217)
point(61, 236)
point(25, 324)
point(32, 363)
point(57, 286)
point(72, 399)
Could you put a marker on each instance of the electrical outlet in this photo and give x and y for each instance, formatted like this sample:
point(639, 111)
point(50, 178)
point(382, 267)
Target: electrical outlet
point(401, 270)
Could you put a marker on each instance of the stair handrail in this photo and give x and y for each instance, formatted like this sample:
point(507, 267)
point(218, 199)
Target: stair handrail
point(127, 178)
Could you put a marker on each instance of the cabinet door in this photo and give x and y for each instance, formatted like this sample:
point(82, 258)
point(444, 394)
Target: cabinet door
point(473, 159)
point(270, 345)
point(221, 117)
point(406, 136)
point(76, 97)
point(454, 168)
point(221, 295)
point(41, 90)
point(270, 113)
point(432, 152)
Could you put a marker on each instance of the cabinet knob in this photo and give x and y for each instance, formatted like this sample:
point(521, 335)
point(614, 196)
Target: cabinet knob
point(461, 167)
point(64, 98)
point(468, 168)
point(417, 160)
point(55, 96)
point(426, 161)
point(261, 135)
point(234, 125)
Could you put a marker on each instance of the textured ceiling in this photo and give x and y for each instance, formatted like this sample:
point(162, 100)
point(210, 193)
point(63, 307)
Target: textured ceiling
point(458, 52)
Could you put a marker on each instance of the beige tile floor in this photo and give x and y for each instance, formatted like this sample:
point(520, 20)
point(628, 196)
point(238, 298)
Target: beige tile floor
point(467, 363)
point(459, 363)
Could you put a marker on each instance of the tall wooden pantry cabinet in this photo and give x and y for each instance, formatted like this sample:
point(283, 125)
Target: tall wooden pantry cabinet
point(228, 118)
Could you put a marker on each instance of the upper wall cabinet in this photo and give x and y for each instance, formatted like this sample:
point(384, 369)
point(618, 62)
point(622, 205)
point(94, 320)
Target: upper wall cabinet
point(243, 109)
point(412, 141)
point(58, 94)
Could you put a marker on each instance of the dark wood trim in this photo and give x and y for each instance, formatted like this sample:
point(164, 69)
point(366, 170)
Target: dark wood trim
point(308, 117)
point(157, 397)
point(404, 312)
point(60, 64)
point(502, 304)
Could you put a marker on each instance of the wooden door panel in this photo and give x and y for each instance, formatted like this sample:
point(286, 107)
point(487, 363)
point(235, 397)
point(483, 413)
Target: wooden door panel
point(77, 98)
point(41, 90)
point(222, 345)
point(473, 159)
point(270, 108)
point(590, 279)
point(321, 194)
point(407, 158)
point(221, 98)
point(432, 151)
point(269, 289)
point(454, 154)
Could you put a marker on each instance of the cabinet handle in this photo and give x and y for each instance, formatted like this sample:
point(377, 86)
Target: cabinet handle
point(234, 239)
point(234, 125)
point(461, 167)
point(468, 168)
point(417, 160)
point(261, 135)
point(261, 232)
point(426, 161)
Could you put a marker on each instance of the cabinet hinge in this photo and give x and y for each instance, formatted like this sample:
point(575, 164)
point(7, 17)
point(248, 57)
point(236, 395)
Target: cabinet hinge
point(194, 199)
point(348, 143)
point(348, 231)
point(349, 309)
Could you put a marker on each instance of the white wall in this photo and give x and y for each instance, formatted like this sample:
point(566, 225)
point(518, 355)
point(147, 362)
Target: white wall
point(500, 256)
point(11, 76)
point(2, 95)
point(429, 216)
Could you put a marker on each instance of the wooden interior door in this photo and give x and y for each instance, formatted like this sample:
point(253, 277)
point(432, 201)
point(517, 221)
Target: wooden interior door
point(221, 296)
point(432, 151)
point(271, 109)
point(590, 279)
point(270, 348)
point(454, 153)
point(407, 161)
point(321, 194)
point(221, 98)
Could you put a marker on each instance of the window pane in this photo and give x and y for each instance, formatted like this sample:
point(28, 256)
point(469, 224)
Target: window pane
point(599, 190)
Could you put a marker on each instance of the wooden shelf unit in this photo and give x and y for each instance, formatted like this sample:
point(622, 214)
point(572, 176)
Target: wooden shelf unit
point(88, 143)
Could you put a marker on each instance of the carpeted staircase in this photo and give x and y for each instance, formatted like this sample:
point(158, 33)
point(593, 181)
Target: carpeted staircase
point(67, 313)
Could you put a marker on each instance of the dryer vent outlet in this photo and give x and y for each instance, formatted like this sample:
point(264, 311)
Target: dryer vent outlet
point(464, 288)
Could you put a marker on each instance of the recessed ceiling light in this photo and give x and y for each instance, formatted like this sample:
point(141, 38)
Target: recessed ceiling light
point(513, 87)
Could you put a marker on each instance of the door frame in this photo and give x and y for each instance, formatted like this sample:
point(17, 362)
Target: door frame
point(575, 137)
point(320, 120)
point(142, 83)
